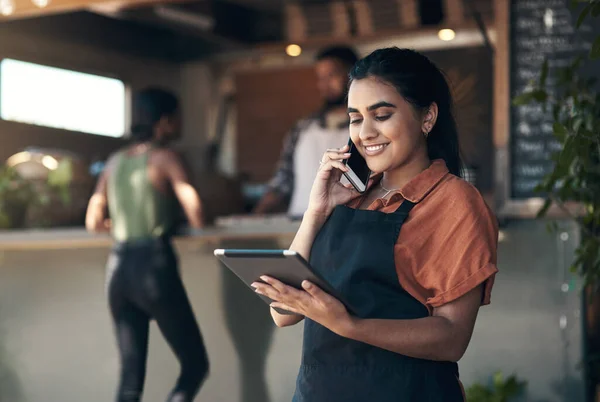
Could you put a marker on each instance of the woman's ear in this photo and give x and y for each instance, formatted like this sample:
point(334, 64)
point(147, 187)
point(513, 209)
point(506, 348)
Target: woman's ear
point(429, 119)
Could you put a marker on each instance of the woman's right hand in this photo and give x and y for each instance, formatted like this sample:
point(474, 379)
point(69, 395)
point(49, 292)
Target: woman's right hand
point(327, 192)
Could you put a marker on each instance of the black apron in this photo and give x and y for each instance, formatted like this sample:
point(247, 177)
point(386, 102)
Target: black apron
point(354, 251)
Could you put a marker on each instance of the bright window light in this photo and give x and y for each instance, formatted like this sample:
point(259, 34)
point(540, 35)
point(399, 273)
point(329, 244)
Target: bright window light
point(53, 97)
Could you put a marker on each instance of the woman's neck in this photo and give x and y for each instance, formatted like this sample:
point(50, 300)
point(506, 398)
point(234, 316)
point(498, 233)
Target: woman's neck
point(397, 178)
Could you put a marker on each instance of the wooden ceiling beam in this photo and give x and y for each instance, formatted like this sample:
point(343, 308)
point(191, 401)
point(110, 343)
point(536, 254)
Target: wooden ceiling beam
point(17, 9)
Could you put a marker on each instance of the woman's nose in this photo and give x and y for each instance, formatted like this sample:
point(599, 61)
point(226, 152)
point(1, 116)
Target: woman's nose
point(367, 131)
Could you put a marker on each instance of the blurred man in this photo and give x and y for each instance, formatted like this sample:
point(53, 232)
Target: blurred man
point(310, 137)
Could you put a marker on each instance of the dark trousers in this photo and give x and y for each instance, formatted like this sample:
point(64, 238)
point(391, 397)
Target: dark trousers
point(143, 284)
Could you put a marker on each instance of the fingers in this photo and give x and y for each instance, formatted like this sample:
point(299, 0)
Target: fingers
point(266, 290)
point(276, 290)
point(278, 285)
point(333, 164)
point(370, 183)
point(314, 290)
point(284, 306)
point(335, 155)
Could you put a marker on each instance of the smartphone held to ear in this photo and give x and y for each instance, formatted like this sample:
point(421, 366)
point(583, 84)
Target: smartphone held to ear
point(358, 173)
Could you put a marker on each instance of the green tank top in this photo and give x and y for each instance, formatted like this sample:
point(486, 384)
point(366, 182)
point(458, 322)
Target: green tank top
point(137, 210)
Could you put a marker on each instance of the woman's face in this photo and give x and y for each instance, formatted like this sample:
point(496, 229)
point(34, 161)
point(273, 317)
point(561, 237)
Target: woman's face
point(386, 129)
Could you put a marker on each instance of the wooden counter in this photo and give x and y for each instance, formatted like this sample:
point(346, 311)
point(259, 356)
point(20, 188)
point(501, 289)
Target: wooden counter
point(69, 238)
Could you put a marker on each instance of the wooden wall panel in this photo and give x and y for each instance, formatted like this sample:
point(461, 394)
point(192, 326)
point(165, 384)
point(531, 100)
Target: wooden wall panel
point(470, 75)
point(268, 103)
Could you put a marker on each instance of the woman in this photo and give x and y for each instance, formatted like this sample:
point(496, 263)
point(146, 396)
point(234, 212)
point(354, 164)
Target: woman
point(140, 186)
point(415, 255)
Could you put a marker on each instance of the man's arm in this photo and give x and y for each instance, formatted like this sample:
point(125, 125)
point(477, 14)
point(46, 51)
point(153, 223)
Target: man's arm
point(282, 183)
point(184, 191)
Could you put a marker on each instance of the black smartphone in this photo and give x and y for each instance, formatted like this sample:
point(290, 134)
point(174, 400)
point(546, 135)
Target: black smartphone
point(359, 172)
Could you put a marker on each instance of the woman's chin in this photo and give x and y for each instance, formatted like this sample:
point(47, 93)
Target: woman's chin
point(376, 168)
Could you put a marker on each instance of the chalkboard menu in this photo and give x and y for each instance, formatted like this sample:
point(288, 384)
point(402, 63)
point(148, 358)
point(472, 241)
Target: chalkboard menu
point(540, 29)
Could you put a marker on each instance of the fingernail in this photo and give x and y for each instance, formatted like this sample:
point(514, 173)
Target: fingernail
point(347, 154)
point(306, 285)
point(264, 278)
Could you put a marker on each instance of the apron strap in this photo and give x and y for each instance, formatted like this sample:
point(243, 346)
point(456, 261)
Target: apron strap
point(400, 214)
point(404, 208)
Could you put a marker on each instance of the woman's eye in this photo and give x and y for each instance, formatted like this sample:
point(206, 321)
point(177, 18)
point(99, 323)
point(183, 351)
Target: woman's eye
point(355, 121)
point(383, 117)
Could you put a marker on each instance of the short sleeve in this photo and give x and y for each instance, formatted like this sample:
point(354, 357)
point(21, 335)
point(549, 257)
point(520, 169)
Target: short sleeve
point(463, 252)
point(283, 179)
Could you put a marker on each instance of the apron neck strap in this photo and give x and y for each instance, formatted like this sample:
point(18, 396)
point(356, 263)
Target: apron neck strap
point(404, 208)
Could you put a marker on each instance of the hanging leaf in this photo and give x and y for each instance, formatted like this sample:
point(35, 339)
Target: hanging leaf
point(560, 131)
point(523, 99)
point(544, 74)
point(540, 95)
point(584, 13)
point(596, 9)
point(575, 66)
point(542, 212)
point(498, 379)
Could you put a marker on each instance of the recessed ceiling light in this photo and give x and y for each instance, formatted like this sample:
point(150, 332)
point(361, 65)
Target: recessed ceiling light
point(446, 34)
point(7, 7)
point(293, 50)
point(41, 3)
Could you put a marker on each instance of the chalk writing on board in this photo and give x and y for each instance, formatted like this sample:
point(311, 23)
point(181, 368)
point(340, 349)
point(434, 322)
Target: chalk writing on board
point(540, 30)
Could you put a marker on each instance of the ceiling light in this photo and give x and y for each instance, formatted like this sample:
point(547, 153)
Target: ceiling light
point(293, 50)
point(446, 34)
point(50, 162)
point(18, 158)
point(41, 3)
point(7, 7)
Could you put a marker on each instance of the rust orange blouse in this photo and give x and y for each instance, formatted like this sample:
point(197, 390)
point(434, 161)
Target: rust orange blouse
point(447, 245)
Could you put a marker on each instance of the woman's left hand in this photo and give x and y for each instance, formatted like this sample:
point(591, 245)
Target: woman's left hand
point(312, 302)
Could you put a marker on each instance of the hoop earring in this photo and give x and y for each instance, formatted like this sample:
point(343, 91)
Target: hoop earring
point(426, 134)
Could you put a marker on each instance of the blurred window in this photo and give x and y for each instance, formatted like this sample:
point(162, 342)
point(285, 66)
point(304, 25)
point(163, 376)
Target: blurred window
point(54, 97)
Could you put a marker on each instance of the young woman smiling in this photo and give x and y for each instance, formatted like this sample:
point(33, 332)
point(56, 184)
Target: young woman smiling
point(415, 255)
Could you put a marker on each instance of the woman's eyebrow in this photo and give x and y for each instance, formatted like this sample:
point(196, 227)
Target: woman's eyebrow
point(373, 107)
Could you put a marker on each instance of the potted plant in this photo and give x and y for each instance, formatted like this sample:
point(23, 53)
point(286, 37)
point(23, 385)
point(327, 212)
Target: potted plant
point(501, 389)
point(15, 196)
point(19, 195)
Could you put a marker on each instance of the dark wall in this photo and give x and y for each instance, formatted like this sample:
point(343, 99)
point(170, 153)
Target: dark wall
point(14, 137)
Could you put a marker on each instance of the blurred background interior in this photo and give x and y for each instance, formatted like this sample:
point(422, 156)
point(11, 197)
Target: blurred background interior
point(243, 71)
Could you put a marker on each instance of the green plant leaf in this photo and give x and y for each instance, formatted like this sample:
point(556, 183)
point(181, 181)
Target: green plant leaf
point(582, 16)
point(540, 95)
point(560, 131)
point(498, 380)
point(544, 74)
point(574, 66)
point(62, 175)
point(551, 226)
point(523, 99)
point(596, 9)
point(512, 387)
point(575, 3)
point(542, 212)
